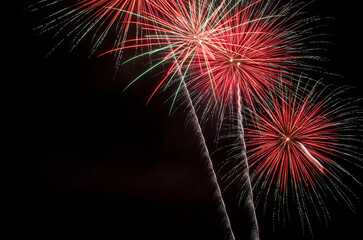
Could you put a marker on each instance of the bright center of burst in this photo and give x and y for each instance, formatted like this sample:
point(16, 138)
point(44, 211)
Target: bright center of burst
point(236, 62)
point(286, 140)
point(196, 37)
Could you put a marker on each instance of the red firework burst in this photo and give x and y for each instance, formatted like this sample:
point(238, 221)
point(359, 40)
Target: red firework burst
point(184, 34)
point(254, 49)
point(293, 138)
point(298, 139)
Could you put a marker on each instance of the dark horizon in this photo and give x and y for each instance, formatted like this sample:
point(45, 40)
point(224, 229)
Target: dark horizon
point(83, 158)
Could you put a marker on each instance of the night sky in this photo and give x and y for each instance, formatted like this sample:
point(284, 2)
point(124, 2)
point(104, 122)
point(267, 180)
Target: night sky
point(83, 158)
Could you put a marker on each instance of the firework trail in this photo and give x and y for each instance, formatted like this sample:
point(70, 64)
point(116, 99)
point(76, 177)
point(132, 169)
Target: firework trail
point(245, 178)
point(193, 121)
point(299, 141)
point(205, 158)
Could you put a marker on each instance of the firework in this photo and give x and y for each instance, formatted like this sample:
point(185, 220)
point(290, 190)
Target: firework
point(231, 52)
point(298, 141)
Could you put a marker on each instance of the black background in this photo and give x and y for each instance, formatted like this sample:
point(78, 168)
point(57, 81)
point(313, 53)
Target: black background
point(83, 158)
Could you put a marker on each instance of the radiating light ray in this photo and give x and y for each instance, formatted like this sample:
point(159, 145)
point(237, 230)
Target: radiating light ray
point(97, 18)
